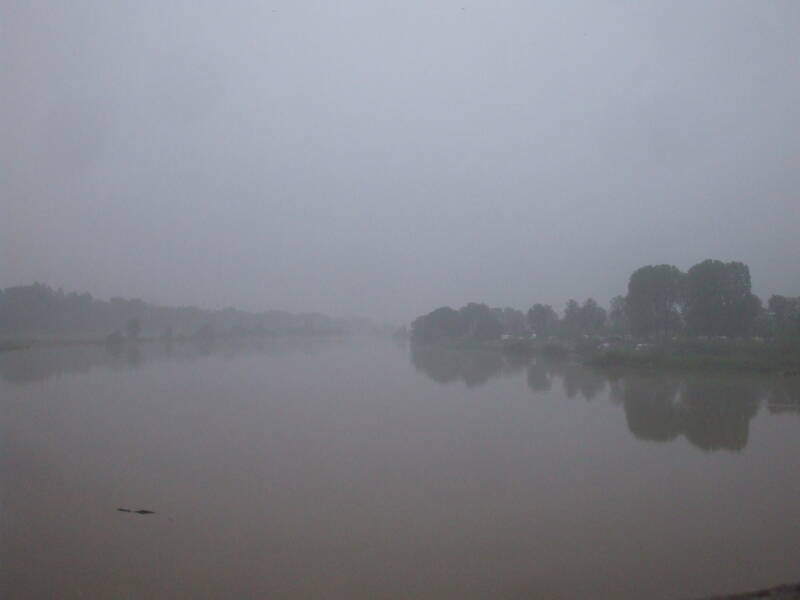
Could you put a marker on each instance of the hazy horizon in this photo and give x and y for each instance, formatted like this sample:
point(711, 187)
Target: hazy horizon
point(382, 160)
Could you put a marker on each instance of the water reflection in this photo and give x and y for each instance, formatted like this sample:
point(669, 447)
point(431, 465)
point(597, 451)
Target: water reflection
point(711, 411)
point(576, 379)
point(784, 396)
point(473, 366)
point(37, 364)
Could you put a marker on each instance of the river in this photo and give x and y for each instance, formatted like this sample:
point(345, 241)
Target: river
point(363, 468)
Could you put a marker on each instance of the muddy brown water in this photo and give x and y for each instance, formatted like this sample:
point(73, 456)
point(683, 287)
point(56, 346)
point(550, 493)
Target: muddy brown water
point(360, 468)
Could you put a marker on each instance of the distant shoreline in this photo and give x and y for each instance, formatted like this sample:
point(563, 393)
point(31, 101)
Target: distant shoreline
point(26, 343)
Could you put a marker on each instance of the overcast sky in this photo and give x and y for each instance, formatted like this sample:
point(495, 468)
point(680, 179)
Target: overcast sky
point(385, 158)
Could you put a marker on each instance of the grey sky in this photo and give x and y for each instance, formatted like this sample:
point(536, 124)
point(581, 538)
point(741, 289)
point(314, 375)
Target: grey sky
point(386, 158)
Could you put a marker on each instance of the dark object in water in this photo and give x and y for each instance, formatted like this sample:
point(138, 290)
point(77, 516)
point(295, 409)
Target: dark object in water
point(138, 512)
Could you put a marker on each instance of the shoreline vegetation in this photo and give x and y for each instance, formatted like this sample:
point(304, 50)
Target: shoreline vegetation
point(734, 356)
point(10, 345)
point(685, 354)
point(706, 318)
point(38, 315)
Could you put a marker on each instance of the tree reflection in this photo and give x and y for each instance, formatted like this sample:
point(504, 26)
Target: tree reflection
point(576, 379)
point(784, 395)
point(580, 380)
point(539, 378)
point(473, 366)
point(40, 363)
point(712, 413)
point(649, 403)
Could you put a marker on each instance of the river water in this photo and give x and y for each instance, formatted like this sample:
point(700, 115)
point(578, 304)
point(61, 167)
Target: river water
point(361, 468)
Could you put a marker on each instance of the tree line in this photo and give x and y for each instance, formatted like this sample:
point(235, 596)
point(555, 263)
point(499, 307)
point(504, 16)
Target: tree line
point(713, 299)
point(40, 310)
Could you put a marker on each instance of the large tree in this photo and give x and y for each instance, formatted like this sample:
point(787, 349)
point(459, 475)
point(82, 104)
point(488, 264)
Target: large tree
point(618, 316)
point(480, 323)
point(718, 298)
point(655, 293)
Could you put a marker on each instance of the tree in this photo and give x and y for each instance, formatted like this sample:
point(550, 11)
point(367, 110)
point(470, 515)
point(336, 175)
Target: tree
point(718, 300)
point(512, 320)
point(571, 323)
point(618, 316)
point(763, 323)
point(442, 323)
point(785, 312)
point(655, 294)
point(592, 317)
point(543, 320)
point(480, 323)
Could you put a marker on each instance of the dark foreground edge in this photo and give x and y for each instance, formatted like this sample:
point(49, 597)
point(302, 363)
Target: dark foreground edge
point(782, 592)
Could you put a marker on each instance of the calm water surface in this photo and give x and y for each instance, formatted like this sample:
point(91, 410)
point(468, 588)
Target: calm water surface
point(363, 469)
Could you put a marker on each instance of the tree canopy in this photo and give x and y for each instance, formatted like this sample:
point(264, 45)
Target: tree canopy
point(718, 299)
point(655, 294)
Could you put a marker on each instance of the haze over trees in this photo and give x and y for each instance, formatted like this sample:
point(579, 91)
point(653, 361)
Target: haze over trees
point(712, 299)
point(543, 320)
point(474, 322)
point(785, 313)
point(40, 310)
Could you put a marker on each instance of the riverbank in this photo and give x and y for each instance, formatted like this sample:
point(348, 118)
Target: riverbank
point(24, 343)
point(719, 355)
point(735, 356)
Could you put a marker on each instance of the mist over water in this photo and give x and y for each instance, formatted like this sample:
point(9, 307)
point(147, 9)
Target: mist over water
point(361, 158)
point(358, 468)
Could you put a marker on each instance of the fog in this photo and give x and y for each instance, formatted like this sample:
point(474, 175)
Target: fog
point(383, 159)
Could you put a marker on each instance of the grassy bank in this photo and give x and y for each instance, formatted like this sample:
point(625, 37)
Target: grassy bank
point(720, 355)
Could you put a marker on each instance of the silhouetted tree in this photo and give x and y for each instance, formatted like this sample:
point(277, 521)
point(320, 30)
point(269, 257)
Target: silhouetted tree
point(443, 323)
point(480, 323)
point(618, 316)
point(655, 294)
point(718, 300)
point(785, 312)
point(571, 322)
